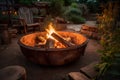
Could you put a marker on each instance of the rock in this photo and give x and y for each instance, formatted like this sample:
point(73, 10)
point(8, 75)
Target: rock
point(90, 31)
point(77, 76)
point(13, 73)
point(89, 70)
point(85, 27)
point(89, 28)
point(87, 33)
point(93, 29)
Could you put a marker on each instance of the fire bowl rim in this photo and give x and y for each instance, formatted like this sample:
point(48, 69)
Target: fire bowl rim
point(53, 49)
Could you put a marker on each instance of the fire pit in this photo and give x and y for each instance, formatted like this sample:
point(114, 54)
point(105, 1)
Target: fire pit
point(58, 54)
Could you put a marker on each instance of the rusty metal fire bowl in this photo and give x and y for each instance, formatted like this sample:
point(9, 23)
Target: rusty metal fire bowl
point(53, 56)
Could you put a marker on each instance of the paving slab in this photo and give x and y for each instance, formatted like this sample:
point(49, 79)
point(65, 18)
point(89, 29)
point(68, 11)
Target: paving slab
point(77, 76)
point(89, 70)
point(77, 27)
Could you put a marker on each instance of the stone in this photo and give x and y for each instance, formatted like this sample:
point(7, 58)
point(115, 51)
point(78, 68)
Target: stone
point(77, 76)
point(93, 29)
point(13, 73)
point(89, 70)
point(84, 31)
point(90, 31)
point(89, 28)
point(85, 27)
point(91, 23)
point(87, 33)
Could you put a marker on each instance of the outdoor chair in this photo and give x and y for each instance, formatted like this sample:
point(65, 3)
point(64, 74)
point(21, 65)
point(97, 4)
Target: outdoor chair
point(27, 20)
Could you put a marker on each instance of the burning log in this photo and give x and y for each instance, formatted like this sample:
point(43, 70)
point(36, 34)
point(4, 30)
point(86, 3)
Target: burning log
point(62, 40)
point(49, 43)
point(40, 41)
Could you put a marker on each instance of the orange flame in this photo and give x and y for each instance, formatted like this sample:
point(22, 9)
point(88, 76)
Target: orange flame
point(50, 30)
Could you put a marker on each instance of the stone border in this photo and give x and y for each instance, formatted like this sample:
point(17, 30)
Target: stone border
point(86, 73)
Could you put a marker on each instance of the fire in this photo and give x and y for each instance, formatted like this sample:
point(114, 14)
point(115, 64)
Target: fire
point(50, 30)
point(52, 39)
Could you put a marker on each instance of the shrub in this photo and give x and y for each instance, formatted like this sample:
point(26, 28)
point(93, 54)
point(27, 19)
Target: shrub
point(74, 15)
point(74, 5)
point(76, 19)
point(110, 39)
point(25, 2)
point(68, 2)
point(93, 5)
point(83, 8)
point(56, 8)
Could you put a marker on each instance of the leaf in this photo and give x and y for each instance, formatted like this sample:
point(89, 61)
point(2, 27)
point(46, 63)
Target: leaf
point(117, 55)
point(117, 60)
point(103, 67)
point(114, 72)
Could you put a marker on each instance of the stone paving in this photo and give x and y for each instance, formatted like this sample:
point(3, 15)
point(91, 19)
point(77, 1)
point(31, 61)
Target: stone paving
point(77, 27)
point(12, 55)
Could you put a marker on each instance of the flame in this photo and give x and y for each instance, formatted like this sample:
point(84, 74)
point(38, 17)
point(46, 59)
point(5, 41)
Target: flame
point(50, 30)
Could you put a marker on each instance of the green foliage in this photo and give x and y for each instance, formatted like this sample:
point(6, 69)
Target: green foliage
point(68, 2)
point(56, 8)
point(93, 6)
point(25, 2)
point(73, 14)
point(74, 5)
point(82, 1)
point(110, 39)
point(72, 10)
point(76, 19)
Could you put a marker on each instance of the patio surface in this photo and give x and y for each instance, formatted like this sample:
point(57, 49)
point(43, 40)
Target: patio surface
point(12, 55)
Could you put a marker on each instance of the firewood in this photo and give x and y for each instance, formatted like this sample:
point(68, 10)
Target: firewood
point(62, 40)
point(49, 43)
point(40, 41)
point(41, 45)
